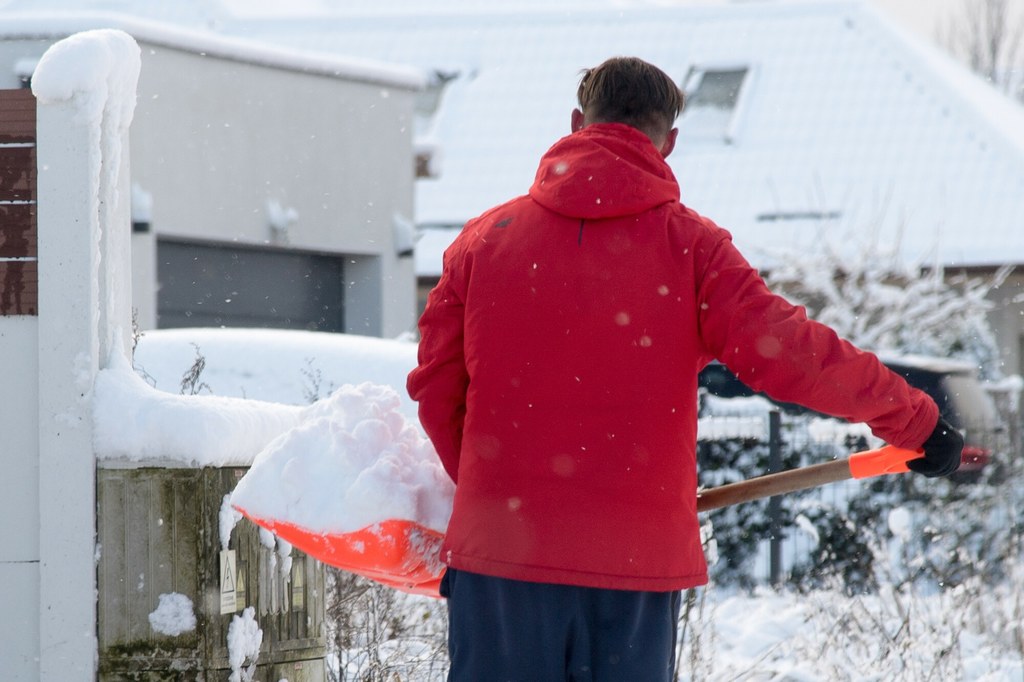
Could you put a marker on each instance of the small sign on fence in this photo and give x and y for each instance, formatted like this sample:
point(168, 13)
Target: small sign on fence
point(228, 584)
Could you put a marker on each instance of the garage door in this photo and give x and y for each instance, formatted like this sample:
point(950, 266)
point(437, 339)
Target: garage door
point(218, 285)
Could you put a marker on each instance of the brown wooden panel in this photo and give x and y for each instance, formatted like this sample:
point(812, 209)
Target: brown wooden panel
point(18, 231)
point(19, 287)
point(17, 116)
point(19, 279)
point(17, 173)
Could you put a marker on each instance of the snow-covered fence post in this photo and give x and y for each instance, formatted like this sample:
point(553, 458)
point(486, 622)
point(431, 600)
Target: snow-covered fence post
point(85, 88)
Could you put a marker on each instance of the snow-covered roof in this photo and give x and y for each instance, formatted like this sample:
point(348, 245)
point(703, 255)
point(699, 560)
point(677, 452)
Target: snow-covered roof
point(845, 123)
point(47, 24)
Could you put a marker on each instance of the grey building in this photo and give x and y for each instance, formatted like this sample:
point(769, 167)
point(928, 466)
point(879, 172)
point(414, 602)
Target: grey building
point(271, 187)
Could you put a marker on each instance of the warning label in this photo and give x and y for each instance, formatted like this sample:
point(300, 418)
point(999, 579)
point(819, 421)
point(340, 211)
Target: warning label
point(228, 584)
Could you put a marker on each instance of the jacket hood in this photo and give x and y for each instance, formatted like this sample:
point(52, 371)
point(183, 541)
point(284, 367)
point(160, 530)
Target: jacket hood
point(605, 170)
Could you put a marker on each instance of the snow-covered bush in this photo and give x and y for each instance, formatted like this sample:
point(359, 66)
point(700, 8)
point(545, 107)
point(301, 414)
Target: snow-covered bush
point(377, 634)
point(737, 529)
point(879, 300)
point(955, 531)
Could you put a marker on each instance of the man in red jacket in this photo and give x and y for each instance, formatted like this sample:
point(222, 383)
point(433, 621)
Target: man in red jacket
point(557, 379)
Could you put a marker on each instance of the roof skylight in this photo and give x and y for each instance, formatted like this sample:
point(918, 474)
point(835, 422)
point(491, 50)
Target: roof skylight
point(713, 101)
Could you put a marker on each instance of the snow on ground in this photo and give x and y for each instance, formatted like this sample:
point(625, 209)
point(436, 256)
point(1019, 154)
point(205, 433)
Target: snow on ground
point(283, 366)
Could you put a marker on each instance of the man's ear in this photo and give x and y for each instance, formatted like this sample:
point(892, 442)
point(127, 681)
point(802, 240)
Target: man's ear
point(577, 120)
point(670, 142)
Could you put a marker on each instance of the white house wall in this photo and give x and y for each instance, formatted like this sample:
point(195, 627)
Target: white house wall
point(216, 140)
point(19, 552)
point(1007, 321)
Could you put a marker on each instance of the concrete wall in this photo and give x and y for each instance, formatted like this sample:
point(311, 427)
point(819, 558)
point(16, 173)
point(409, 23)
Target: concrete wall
point(160, 533)
point(1006, 316)
point(1008, 321)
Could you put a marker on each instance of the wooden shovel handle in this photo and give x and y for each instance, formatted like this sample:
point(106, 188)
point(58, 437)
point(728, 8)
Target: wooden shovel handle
point(884, 460)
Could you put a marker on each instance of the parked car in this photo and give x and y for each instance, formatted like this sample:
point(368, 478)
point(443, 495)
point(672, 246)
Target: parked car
point(953, 384)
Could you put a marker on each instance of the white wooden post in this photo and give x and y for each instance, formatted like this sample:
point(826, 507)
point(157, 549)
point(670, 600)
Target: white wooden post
point(85, 87)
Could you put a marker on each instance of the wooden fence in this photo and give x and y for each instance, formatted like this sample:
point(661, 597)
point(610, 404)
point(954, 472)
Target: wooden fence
point(18, 255)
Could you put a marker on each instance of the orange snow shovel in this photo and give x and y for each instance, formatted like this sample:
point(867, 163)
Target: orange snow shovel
point(888, 459)
point(405, 555)
point(398, 553)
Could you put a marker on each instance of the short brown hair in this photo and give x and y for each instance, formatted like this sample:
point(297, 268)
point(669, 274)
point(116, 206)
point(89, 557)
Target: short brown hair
point(631, 91)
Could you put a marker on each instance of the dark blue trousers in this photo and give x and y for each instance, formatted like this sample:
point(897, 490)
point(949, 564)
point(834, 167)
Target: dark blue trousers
point(502, 630)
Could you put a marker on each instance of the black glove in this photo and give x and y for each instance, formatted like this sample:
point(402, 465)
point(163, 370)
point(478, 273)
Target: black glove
point(942, 452)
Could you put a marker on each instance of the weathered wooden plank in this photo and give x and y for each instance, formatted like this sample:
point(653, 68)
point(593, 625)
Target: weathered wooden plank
point(181, 518)
point(140, 602)
point(19, 287)
point(17, 116)
point(18, 231)
point(113, 613)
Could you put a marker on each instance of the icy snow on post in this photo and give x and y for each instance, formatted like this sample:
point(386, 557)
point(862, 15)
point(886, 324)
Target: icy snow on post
point(85, 87)
point(87, 82)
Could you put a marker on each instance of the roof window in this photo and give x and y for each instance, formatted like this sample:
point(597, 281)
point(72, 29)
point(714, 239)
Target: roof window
point(714, 98)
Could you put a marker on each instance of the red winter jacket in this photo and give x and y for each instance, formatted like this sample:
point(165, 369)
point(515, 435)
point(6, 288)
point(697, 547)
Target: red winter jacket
point(558, 368)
